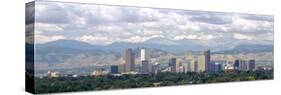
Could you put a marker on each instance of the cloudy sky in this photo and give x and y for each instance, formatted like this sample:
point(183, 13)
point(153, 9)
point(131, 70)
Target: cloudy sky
point(103, 25)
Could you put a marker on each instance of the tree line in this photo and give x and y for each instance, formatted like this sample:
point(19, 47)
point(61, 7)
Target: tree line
point(88, 83)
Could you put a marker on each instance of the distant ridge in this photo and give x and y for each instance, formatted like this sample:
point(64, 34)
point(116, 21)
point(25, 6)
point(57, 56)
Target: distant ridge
point(157, 43)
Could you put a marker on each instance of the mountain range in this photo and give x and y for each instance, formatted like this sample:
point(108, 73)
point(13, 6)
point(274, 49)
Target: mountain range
point(76, 54)
point(75, 46)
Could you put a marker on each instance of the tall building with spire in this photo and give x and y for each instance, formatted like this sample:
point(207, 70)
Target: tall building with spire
point(129, 60)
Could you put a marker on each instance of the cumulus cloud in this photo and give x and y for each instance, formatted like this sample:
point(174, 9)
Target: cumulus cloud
point(53, 14)
point(102, 24)
point(194, 37)
point(242, 36)
point(94, 39)
point(39, 39)
point(48, 27)
point(138, 39)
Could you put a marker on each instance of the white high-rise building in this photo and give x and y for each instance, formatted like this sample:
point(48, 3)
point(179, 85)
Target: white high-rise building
point(144, 54)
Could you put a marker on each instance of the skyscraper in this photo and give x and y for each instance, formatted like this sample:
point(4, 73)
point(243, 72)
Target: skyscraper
point(218, 67)
point(201, 64)
point(193, 66)
point(236, 64)
point(145, 61)
point(207, 55)
point(251, 65)
point(145, 67)
point(178, 66)
point(172, 64)
point(211, 67)
point(129, 60)
point(155, 68)
point(144, 54)
point(243, 65)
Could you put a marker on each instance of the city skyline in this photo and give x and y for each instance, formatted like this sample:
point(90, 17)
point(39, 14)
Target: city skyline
point(200, 63)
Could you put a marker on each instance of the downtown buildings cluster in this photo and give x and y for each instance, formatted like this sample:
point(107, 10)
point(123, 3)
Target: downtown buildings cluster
point(201, 63)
